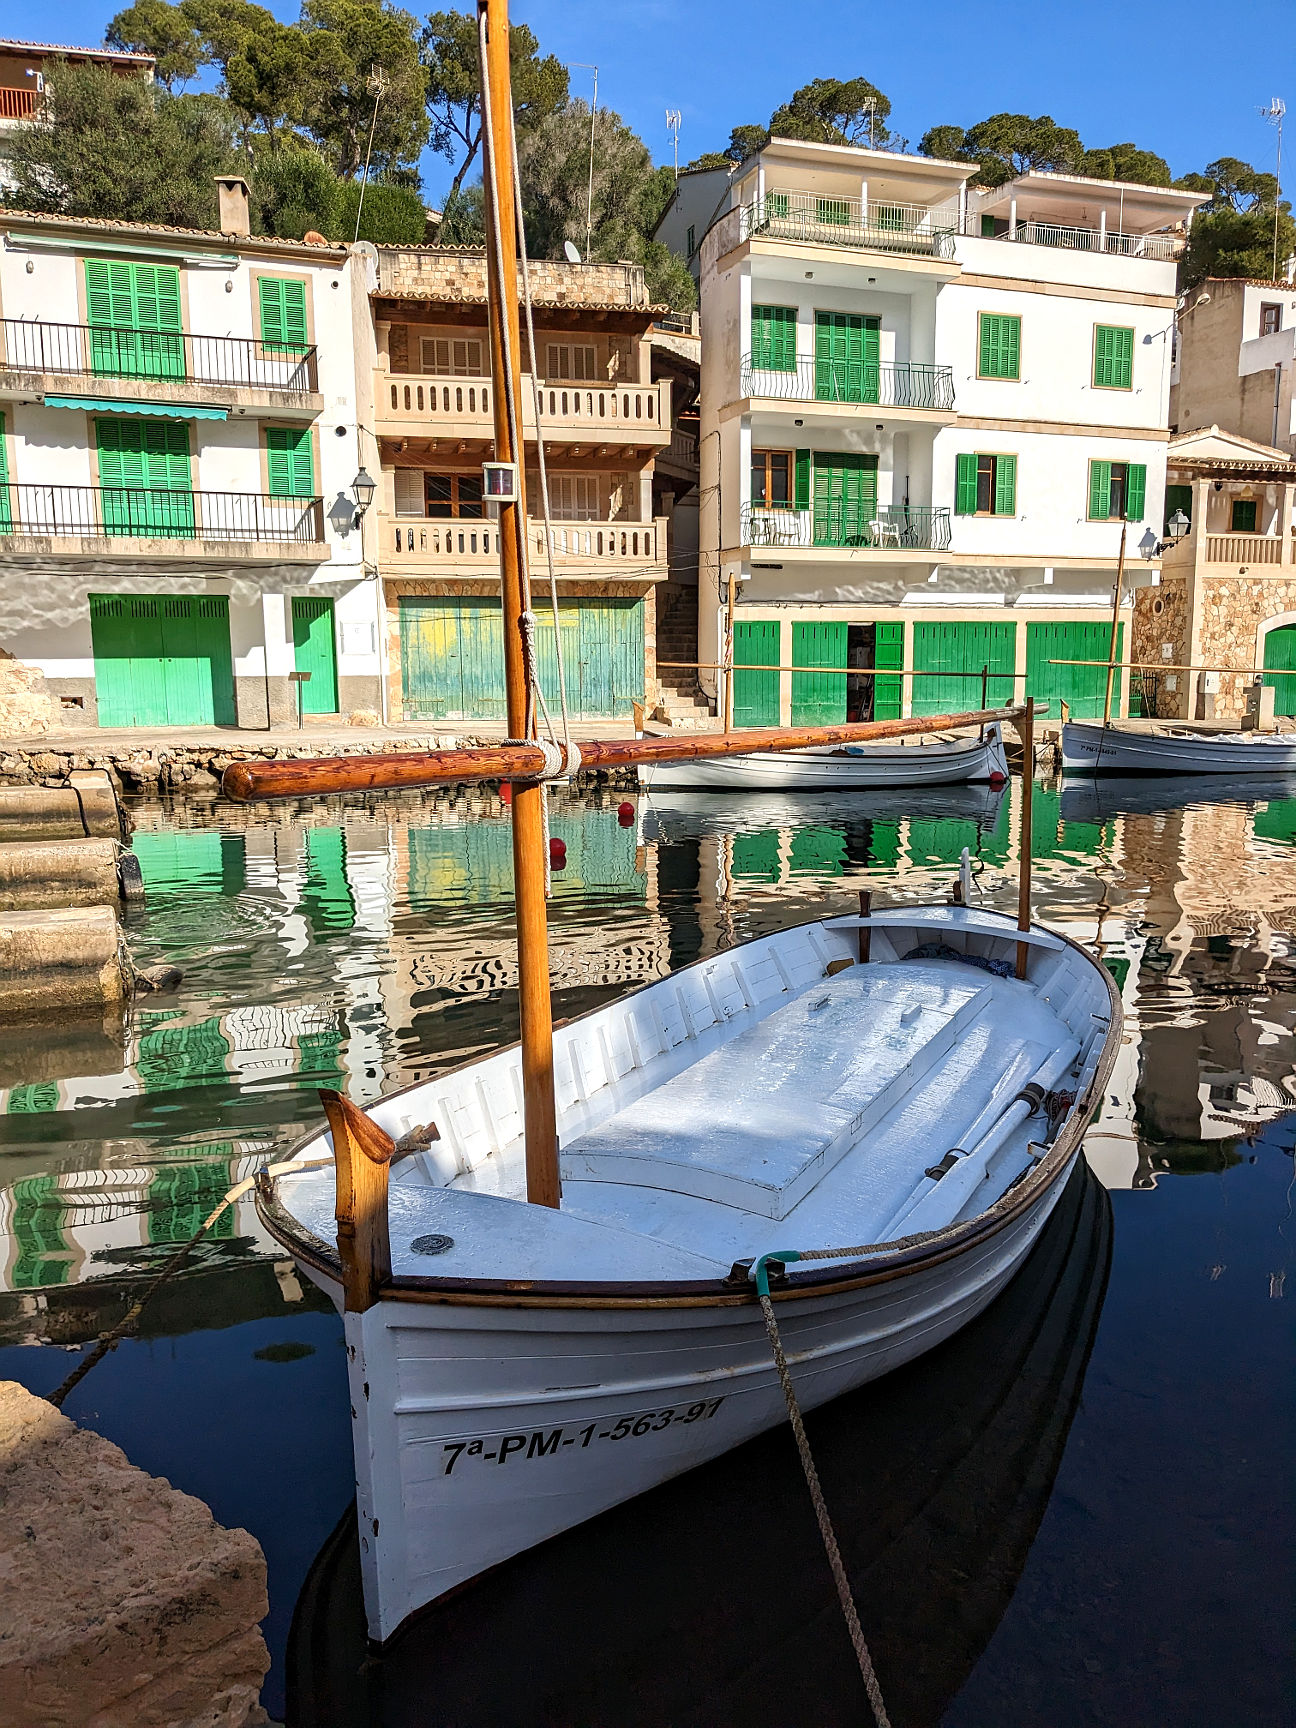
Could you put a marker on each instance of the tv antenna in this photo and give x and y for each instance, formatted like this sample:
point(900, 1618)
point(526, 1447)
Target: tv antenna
point(376, 86)
point(584, 66)
point(674, 120)
point(1274, 115)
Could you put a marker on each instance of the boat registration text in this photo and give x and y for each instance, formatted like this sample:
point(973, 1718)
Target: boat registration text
point(548, 1442)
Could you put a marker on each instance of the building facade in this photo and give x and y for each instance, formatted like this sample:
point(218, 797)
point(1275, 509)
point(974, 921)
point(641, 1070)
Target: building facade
point(24, 79)
point(603, 420)
point(1234, 360)
point(180, 424)
point(926, 411)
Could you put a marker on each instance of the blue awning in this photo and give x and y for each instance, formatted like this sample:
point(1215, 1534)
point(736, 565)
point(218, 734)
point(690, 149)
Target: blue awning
point(138, 410)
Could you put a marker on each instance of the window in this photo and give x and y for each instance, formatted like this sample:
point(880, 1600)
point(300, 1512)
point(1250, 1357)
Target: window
point(773, 338)
point(452, 357)
point(1270, 317)
point(776, 204)
point(689, 239)
point(282, 302)
point(410, 496)
point(290, 462)
point(1113, 357)
point(985, 485)
point(574, 360)
point(999, 345)
point(835, 212)
point(574, 497)
point(1117, 489)
point(1243, 516)
point(771, 479)
point(133, 311)
point(454, 495)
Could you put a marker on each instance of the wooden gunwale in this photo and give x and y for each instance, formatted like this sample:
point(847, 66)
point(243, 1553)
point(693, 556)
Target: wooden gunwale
point(926, 1250)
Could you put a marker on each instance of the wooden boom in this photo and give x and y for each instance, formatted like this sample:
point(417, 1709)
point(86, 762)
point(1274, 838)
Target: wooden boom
point(247, 780)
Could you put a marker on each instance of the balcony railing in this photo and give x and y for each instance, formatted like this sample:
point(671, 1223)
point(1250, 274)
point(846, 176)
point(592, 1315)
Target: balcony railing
point(683, 448)
point(156, 356)
point(883, 385)
point(577, 407)
point(457, 541)
point(828, 221)
point(904, 527)
point(18, 104)
point(1162, 248)
point(1243, 549)
point(156, 513)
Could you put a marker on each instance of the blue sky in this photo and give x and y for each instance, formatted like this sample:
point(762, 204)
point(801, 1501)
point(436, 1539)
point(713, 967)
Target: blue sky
point(1114, 71)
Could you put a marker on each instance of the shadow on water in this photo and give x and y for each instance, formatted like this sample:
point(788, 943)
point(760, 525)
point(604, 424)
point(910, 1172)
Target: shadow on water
point(709, 1601)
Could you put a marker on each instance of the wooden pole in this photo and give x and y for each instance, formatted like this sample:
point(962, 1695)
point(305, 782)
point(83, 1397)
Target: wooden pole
point(1026, 732)
point(729, 653)
point(1115, 624)
point(288, 778)
point(539, 1120)
point(361, 1155)
point(865, 933)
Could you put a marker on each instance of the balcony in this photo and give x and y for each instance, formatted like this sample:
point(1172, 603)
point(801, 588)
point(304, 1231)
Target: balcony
point(18, 104)
point(123, 522)
point(423, 546)
point(1162, 248)
point(877, 384)
point(918, 229)
point(228, 371)
point(440, 407)
point(894, 528)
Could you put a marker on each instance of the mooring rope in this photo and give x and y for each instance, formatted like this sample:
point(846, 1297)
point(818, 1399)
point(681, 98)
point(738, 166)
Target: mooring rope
point(826, 1531)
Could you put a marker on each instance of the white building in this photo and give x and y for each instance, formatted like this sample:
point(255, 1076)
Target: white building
point(925, 410)
point(182, 418)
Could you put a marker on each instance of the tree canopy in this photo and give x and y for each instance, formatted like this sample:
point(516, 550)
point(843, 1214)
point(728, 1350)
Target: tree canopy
point(833, 111)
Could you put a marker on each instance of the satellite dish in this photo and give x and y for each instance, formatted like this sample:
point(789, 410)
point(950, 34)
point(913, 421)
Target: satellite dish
point(570, 253)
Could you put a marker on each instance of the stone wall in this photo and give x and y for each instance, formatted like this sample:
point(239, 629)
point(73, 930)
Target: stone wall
point(429, 273)
point(1161, 617)
point(25, 705)
point(1231, 610)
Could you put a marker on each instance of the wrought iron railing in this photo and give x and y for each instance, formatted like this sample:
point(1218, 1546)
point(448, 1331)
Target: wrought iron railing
point(156, 356)
point(887, 385)
point(913, 527)
point(835, 221)
point(1161, 248)
point(157, 513)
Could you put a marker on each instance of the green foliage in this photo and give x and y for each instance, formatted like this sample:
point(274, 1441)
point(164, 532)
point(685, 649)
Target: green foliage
point(666, 276)
point(122, 149)
point(1126, 162)
point(1228, 242)
point(449, 54)
point(745, 141)
point(293, 191)
point(154, 27)
point(391, 215)
point(463, 219)
point(1233, 185)
point(348, 38)
point(948, 143)
point(1006, 145)
point(833, 111)
point(707, 161)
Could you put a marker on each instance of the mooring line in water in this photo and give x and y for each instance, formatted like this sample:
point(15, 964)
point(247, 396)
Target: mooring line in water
point(109, 1340)
point(761, 1274)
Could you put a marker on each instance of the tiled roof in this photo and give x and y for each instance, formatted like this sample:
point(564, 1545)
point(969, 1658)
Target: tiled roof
point(71, 48)
point(456, 297)
point(108, 225)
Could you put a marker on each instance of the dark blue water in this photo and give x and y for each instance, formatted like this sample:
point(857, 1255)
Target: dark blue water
point(1078, 1512)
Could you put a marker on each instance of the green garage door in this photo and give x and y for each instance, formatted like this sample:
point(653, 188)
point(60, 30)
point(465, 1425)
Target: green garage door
point(818, 699)
point(452, 657)
point(953, 650)
point(163, 661)
point(1083, 688)
point(756, 694)
point(1280, 657)
point(315, 651)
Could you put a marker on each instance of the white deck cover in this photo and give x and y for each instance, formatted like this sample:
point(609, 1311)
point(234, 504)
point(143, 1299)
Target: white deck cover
point(758, 1122)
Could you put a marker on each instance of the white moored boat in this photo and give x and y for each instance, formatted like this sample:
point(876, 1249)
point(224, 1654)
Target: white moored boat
point(1097, 749)
point(883, 1085)
point(924, 761)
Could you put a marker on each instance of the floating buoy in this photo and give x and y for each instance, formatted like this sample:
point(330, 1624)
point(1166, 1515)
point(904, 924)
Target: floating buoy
point(557, 853)
point(998, 779)
point(506, 791)
point(625, 813)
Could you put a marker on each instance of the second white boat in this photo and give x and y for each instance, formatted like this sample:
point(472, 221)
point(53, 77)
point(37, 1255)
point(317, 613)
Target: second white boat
point(839, 767)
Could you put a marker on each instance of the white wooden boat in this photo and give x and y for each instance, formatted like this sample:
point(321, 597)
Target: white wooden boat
point(1097, 799)
point(516, 1368)
point(839, 768)
point(1095, 749)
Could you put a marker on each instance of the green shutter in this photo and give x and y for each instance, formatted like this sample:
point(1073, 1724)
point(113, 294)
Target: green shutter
point(144, 477)
point(773, 338)
point(888, 654)
point(1136, 491)
point(965, 483)
point(290, 462)
point(6, 498)
point(1177, 498)
point(1005, 486)
point(846, 357)
point(1099, 491)
point(1242, 518)
point(802, 495)
point(845, 498)
point(134, 315)
point(1113, 365)
point(818, 698)
point(1000, 345)
point(283, 314)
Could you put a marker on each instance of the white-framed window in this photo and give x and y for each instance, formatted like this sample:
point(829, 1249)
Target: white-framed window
point(574, 360)
point(452, 356)
point(575, 498)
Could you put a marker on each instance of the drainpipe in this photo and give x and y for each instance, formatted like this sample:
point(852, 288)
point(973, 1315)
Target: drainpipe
point(1277, 401)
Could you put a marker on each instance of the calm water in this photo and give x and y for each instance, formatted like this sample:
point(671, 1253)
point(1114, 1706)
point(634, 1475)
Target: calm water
point(1079, 1511)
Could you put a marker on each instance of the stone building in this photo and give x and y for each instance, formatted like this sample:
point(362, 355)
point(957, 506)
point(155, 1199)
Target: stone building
point(1227, 591)
point(1235, 355)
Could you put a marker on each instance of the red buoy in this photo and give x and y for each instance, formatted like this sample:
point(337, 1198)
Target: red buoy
point(625, 813)
point(998, 779)
point(557, 853)
point(506, 791)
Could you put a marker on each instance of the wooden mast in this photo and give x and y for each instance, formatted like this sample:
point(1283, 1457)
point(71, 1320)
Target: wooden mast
point(1115, 624)
point(539, 1121)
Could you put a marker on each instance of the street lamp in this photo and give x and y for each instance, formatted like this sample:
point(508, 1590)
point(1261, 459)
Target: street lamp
point(1149, 545)
point(363, 487)
point(1177, 527)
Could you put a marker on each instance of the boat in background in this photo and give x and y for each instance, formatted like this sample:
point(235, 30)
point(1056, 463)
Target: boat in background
point(1096, 749)
point(927, 761)
point(1096, 799)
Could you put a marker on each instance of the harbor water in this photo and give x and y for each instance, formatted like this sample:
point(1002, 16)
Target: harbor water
point(1078, 1511)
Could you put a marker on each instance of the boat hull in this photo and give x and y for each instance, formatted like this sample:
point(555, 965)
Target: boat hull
point(1109, 750)
point(838, 769)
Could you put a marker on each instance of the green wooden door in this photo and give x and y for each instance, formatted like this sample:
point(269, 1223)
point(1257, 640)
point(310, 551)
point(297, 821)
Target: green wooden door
point(36, 1225)
point(818, 699)
point(845, 498)
point(327, 900)
point(144, 476)
point(315, 651)
point(180, 1196)
point(846, 357)
point(756, 694)
point(888, 652)
point(162, 662)
point(1280, 657)
point(133, 311)
point(1083, 688)
point(947, 653)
